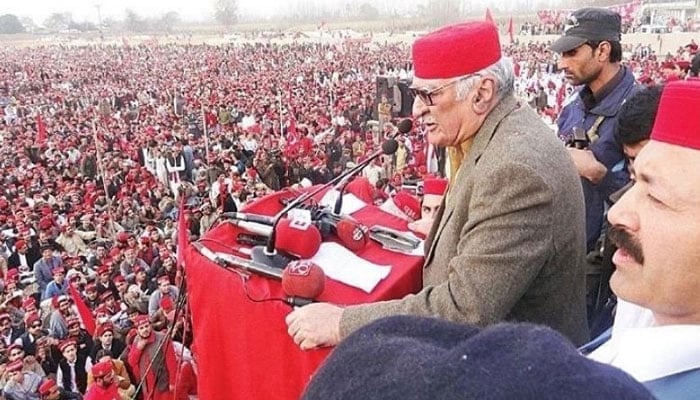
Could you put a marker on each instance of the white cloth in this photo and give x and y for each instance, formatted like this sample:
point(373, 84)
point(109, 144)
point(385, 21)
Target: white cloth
point(646, 351)
point(341, 264)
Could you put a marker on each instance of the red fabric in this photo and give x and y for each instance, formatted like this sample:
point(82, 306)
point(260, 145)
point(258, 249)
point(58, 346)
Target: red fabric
point(242, 347)
point(449, 51)
point(675, 123)
point(41, 130)
point(96, 392)
point(83, 310)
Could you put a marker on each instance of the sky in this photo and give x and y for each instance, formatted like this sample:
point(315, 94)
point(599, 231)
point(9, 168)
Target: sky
point(193, 10)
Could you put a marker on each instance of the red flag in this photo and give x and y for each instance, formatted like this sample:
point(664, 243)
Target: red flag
point(510, 29)
point(489, 17)
point(41, 130)
point(83, 311)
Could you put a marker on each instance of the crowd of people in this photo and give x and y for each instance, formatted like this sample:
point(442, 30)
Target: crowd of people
point(104, 148)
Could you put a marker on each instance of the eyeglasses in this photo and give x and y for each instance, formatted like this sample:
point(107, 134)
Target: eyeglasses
point(36, 326)
point(426, 96)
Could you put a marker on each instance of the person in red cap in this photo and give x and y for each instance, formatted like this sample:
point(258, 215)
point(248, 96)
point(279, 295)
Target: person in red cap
point(23, 256)
point(433, 192)
point(105, 386)
point(152, 359)
point(58, 327)
point(657, 234)
point(80, 336)
point(106, 341)
point(508, 241)
point(21, 385)
point(49, 390)
point(72, 374)
point(8, 333)
point(33, 331)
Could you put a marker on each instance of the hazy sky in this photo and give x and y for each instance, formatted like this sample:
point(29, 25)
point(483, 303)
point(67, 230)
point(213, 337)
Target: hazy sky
point(84, 10)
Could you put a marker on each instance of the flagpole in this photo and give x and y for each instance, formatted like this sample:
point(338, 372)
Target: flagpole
point(206, 134)
point(103, 173)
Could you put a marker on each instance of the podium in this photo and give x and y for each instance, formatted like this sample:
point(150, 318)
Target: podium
point(241, 344)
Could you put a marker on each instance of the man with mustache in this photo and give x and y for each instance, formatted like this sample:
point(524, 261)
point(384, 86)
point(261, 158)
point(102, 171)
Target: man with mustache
point(656, 228)
point(508, 239)
point(590, 57)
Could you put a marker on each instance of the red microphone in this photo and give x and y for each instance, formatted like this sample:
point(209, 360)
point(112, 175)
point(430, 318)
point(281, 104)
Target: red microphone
point(352, 234)
point(302, 281)
point(297, 240)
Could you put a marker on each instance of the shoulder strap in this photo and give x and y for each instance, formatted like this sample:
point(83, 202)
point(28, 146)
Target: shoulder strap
point(592, 132)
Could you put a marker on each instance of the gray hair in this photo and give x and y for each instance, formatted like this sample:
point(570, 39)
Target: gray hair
point(501, 71)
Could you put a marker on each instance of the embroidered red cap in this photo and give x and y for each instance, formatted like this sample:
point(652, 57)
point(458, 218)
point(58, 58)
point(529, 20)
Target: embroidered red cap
point(456, 50)
point(674, 123)
point(436, 186)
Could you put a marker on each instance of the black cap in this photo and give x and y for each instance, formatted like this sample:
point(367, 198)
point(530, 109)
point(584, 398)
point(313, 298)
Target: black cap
point(588, 24)
point(408, 357)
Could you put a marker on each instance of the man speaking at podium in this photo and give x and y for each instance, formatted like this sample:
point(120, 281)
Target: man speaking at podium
point(509, 240)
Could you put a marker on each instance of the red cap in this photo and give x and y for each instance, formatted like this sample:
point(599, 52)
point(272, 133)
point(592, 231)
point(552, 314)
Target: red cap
point(28, 303)
point(302, 241)
point(56, 300)
point(119, 278)
point(91, 287)
point(102, 328)
point(436, 186)
point(163, 279)
point(58, 270)
point(115, 252)
point(31, 318)
point(141, 320)
point(408, 204)
point(137, 269)
point(12, 274)
point(106, 295)
point(122, 237)
point(65, 344)
point(101, 369)
point(451, 51)
point(48, 386)
point(72, 321)
point(20, 244)
point(103, 270)
point(675, 122)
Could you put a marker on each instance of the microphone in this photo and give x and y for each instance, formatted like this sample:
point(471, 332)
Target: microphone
point(268, 254)
point(247, 217)
point(292, 238)
point(388, 148)
point(231, 261)
point(302, 282)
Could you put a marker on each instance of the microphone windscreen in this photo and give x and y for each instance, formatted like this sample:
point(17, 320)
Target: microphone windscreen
point(302, 241)
point(353, 235)
point(390, 146)
point(405, 125)
point(303, 279)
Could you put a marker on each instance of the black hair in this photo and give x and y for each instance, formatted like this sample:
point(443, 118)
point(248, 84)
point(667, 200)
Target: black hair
point(615, 49)
point(636, 116)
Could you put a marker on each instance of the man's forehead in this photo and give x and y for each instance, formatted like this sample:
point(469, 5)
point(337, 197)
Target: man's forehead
point(671, 167)
point(428, 83)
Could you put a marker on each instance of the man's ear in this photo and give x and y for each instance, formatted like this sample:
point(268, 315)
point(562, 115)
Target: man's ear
point(484, 97)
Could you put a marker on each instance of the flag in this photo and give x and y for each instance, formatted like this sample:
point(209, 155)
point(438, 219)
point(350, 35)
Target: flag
point(489, 17)
point(510, 29)
point(84, 312)
point(41, 130)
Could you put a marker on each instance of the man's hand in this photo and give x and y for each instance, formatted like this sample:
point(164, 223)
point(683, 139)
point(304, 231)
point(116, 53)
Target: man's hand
point(421, 226)
point(315, 325)
point(140, 342)
point(587, 165)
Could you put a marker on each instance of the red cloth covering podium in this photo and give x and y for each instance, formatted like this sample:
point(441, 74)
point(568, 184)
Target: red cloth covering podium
point(241, 343)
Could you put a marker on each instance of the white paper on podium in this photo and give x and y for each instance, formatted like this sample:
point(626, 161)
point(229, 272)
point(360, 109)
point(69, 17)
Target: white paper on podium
point(351, 203)
point(341, 264)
